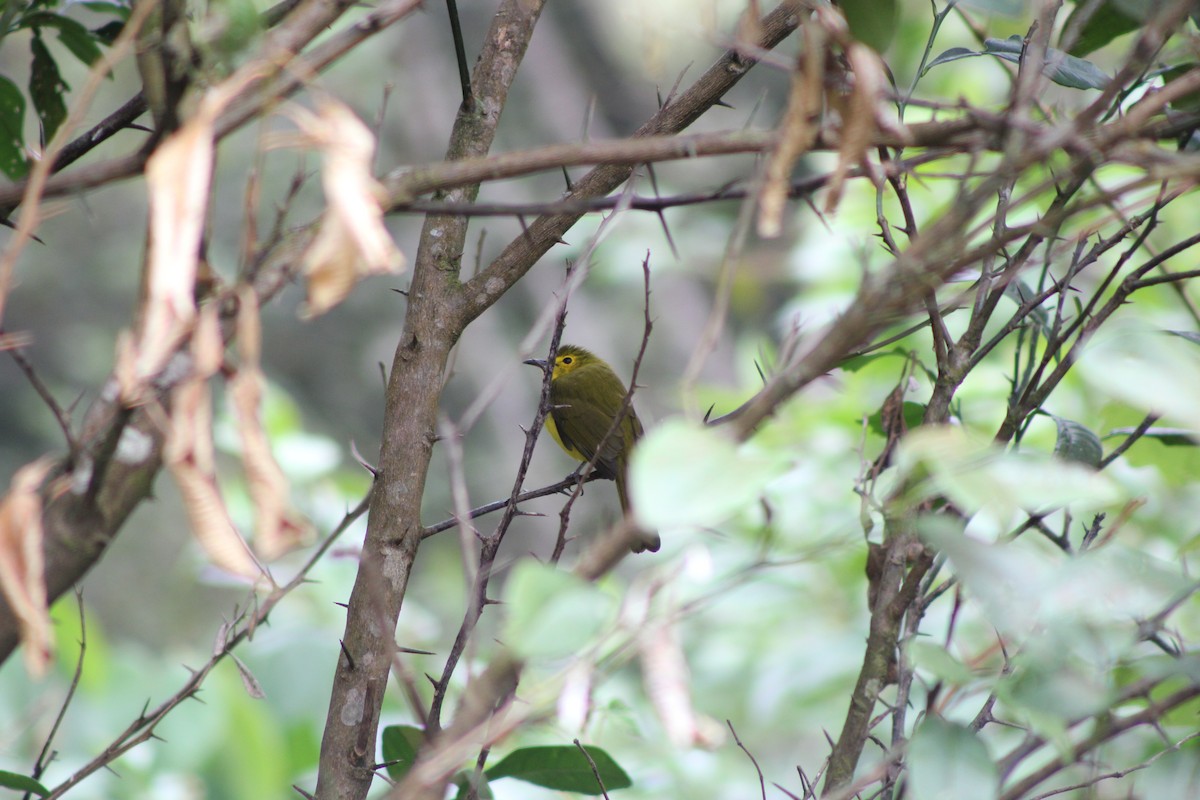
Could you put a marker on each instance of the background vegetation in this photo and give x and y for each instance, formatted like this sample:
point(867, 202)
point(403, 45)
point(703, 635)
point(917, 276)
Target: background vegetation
point(909, 291)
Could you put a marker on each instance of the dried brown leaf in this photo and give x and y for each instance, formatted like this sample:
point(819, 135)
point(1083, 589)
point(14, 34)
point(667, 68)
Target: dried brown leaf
point(188, 453)
point(353, 242)
point(667, 681)
point(22, 565)
point(859, 118)
point(11, 340)
point(797, 132)
point(278, 528)
point(251, 684)
point(178, 174)
point(749, 29)
point(210, 521)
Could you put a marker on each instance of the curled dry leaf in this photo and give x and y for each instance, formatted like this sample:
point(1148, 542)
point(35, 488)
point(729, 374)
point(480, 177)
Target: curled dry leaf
point(797, 131)
point(353, 242)
point(860, 118)
point(22, 566)
point(278, 528)
point(15, 339)
point(178, 174)
point(575, 699)
point(249, 682)
point(188, 453)
point(749, 29)
point(667, 679)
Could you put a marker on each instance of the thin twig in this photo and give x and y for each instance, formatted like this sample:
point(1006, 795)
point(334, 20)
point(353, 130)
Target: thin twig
point(45, 756)
point(592, 764)
point(762, 784)
point(142, 729)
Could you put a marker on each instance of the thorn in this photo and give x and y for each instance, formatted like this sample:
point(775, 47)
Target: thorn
point(303, 793)
point(401, 291)
point(432, 680)
point(487, 601)
point(761, 376)
point(343, 605)
point(362, 462)
point(567, 179)
point(346, 653)
point(723, 104)
point(413, 651)
point(708, 413)
point(662, 218)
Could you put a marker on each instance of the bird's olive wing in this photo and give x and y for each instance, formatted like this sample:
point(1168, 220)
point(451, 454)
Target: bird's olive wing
point(582, 421)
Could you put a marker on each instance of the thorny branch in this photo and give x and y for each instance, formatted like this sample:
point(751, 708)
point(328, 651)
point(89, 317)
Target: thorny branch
point(232, 634)
point(909, 284)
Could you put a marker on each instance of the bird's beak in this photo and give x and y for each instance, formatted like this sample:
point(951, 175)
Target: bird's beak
point(540, 363)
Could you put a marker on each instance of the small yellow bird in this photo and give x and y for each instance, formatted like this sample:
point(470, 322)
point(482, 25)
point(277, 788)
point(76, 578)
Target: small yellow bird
point(585, 396)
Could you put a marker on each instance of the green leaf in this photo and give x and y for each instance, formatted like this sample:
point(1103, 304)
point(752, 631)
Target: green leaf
point(552, 613)
point(1152, 372)
point(1023, 589)
point(933, 658)
point(977, 476)
point(1050, 687)
point(872, 22)
point(237, 23)
point(1020, 293)
point(1007, 581)
point(953, 54)
point(74, 36)
point(108, 32)
point(1106, 23)
point(79, 40)
point(1006, 8)
point(46, 88)
point(12, 130)
point(685, 474)
point(1189, 101)
point(1063, 69)
point(22, 783)
point(562, 767)
point(947, 761)
point(1077, 443)
point(914, 415)
point(400, 745)
point(463, 781)
point(856, 363)
point(112, 9)
point(1140, 10)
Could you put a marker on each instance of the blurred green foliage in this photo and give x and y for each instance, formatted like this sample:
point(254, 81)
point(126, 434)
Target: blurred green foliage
point(764, 551)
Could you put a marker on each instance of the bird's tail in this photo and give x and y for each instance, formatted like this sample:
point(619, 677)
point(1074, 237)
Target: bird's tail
point(643, 540)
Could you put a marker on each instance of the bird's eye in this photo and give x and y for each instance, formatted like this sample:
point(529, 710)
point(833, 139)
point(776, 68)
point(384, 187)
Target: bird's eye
point(567, 359)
